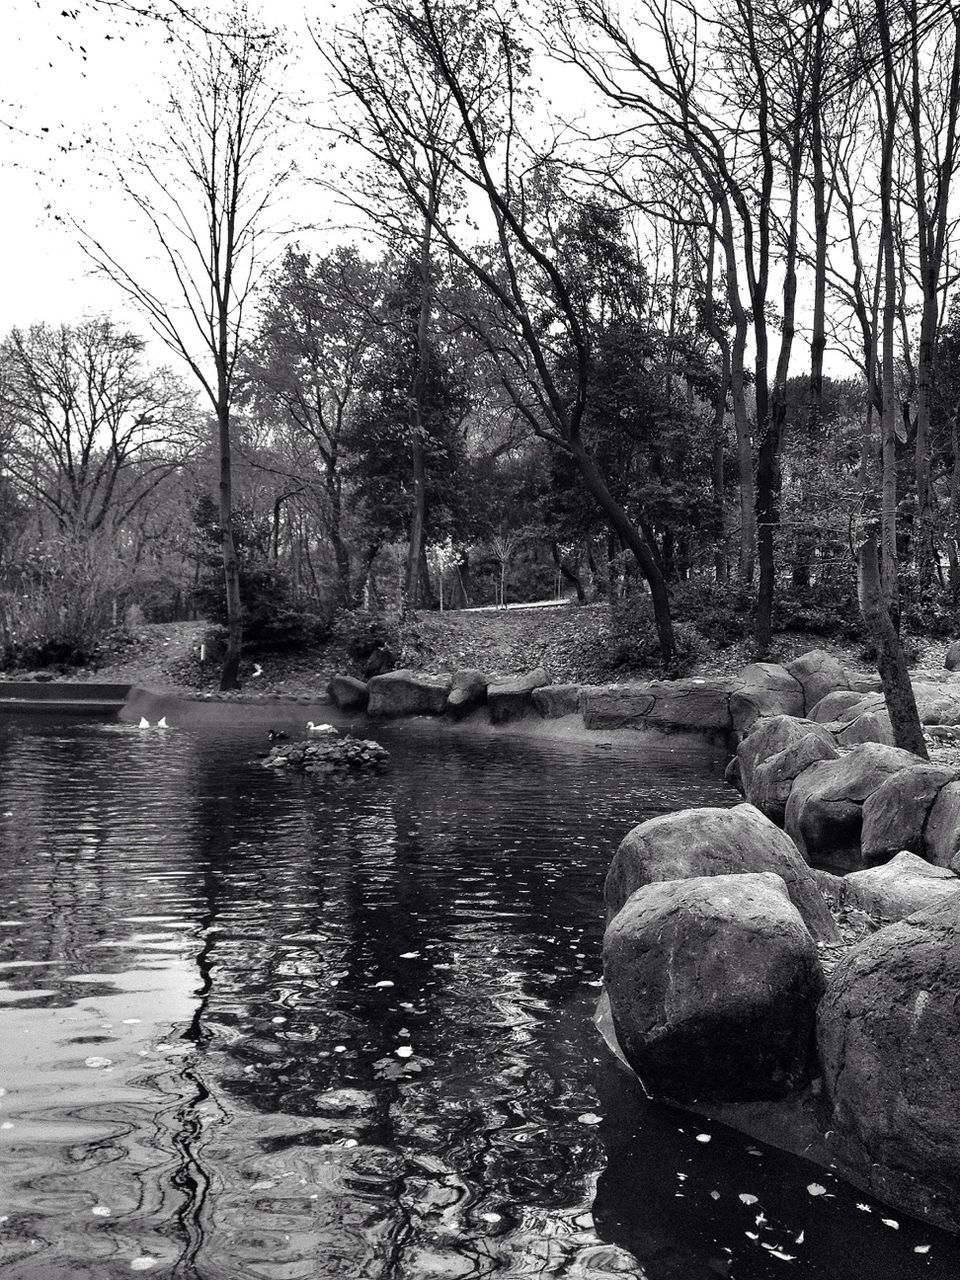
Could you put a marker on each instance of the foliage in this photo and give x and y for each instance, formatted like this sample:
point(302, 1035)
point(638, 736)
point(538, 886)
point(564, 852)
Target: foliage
point(926, 609)
point(634, 643)
point(57, 603)
point(825, 608)
point(721, 613)
point(379, 432)
point(359, 632)
point(271, 617)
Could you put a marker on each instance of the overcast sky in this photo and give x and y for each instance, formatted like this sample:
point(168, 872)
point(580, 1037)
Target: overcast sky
point(73, 90)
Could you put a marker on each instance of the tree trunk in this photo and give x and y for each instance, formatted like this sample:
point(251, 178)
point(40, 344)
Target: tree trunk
point(889, 408)
point(230, 676)
point(417, 544)
point(953, 514)
point(818, 337)
point(721, 564)
point(628, 534)
point(566, 572)
point(891, 663)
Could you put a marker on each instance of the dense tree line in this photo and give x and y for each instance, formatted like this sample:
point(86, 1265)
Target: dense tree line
point(698, 337)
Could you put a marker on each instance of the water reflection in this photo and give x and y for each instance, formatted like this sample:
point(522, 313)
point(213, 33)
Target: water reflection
point(266, 1026)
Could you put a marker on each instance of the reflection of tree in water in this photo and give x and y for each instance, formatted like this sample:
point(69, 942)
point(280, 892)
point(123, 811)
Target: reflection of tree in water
point(304, 921)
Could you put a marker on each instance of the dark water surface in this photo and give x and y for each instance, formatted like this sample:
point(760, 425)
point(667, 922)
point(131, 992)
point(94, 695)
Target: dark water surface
point(258, 1026)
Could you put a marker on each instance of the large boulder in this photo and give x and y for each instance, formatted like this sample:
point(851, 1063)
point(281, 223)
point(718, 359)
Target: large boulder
point(832, 705)
point(554, 701)
point(869, 726)
point(941, 836)
point(771, 735)
point(895, 815)
point(348, 693)
point(766, 689)
point(694, 704)
point(867, 702)
point(512, 698)
point(709, 842)
point(888, 1031)
point(939, 710)
point(713, 985)
point(468, 690)
point(937, 703)
point(952, 658)
point(773, 779)
point(864, 681)
point(824, 813)
point(732, 776)
point(408, 693)
point(900, 887)
point(818, 674)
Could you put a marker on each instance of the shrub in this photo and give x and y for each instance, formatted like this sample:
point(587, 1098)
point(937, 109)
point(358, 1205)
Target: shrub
point(57, 604)
point(911, 651)
point(271, 620)
point(927, 611)
point(721, 613)
point(635, 644)
point(823, 609)
point(358, 632)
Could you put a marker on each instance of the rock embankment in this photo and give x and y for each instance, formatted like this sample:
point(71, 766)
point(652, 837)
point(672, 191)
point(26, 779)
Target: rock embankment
point(723, 706)
point(726, 983)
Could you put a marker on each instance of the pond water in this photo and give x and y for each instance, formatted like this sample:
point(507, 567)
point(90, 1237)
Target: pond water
point(261, 1026)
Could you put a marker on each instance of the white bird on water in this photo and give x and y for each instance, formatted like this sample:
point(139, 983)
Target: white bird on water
point(145, 723)
point(320, 728)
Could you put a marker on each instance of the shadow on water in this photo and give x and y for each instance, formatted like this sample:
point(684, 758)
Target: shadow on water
point(269, 1026)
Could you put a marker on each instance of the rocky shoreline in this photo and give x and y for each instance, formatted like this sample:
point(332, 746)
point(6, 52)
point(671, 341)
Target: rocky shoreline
point(730, 988)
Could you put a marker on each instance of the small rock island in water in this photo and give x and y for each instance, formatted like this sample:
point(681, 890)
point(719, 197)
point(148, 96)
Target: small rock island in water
point(329, 754)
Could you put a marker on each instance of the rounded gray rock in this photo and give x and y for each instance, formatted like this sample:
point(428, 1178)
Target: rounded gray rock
point(888, 1031)
point(708, 842)
point(713, 985)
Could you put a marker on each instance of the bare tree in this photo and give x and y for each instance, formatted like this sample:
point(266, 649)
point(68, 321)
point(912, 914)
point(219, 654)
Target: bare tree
point(203, 192)
point(93, 431)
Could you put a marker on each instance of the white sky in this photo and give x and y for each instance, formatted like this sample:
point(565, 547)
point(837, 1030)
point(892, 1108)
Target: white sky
point(70, 89)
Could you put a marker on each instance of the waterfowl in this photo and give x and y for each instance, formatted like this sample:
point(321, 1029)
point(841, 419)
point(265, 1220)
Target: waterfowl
point(277, 735)
point(144, 723)
point(162, 723)
point(320, 728)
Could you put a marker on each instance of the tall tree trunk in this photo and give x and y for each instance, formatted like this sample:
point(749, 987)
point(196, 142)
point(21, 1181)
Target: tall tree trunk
point(230, 676)
point(932, 203)
point(818, 337)
point(341, 551)
point(953, 514)
point(889, 408)
point(721, 564)
point(738, 383)
point(417, 545)
point(566, 572)
point(771, 445)
point(891, 663)
point(629, 535)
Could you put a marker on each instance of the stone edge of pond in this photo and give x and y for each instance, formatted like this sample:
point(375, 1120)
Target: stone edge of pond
point(290, 712)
